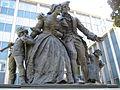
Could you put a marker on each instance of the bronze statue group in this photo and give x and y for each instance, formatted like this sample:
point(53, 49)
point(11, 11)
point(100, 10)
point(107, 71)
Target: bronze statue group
point(54, 49)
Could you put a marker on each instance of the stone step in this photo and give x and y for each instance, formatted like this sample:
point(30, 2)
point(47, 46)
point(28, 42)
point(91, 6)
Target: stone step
point(88, 85)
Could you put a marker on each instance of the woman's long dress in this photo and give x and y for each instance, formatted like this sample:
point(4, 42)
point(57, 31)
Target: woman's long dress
point(47, 58)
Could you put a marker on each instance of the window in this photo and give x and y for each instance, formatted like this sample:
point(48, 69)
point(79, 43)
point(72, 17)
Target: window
point(11, 12)
point(27, 10)
point(8, 27)
point(20, 13)
point(33, 15)
point(111, 59)
point(27, 14)
point(4, 10)
point(2, 66)
point(7, 11)
point(4, 54)
point(12, 4)
point(116, 47)
point(5, 27)
point(1, 26)
point(104, 60)
point(4, 3)
point(17, 26)
point(8, 3)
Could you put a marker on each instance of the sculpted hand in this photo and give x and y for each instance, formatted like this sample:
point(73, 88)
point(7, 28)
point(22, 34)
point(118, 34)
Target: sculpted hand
point(24, 38)
point(98, 39)
point(1, 50)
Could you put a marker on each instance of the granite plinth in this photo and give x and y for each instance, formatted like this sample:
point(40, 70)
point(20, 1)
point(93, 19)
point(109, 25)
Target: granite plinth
point(88, 85)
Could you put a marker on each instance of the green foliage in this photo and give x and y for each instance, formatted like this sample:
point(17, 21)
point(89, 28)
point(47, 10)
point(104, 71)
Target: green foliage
point(115, 5)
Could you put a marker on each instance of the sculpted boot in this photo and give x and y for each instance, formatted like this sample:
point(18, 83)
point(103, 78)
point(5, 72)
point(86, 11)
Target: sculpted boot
point(11, 81)
point(76, 78)
point(22, 80)
point(70, 79)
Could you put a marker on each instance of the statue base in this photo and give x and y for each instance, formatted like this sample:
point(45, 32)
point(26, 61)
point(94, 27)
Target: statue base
point(60, 86)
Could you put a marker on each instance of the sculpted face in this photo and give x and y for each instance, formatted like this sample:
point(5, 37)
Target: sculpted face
point(99, 53)
point(58, 9)
point(65, 8)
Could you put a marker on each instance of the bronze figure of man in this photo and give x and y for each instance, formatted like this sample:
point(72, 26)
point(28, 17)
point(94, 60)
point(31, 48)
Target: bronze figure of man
point(18, 51)
point(73, 42)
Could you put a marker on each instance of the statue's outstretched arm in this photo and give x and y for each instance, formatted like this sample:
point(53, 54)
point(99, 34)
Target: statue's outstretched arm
point(9, 46)
point(85, 31)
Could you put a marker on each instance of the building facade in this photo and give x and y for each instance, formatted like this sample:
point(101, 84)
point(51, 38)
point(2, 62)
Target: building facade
point(110, 47)
point(16, 13)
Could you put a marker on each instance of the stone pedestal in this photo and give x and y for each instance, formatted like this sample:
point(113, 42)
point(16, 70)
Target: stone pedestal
point(60, 86)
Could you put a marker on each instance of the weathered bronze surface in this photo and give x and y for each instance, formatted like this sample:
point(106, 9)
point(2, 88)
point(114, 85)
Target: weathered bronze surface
point(53, 50)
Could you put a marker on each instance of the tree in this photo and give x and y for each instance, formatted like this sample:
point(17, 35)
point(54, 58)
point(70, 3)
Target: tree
point(115, 5)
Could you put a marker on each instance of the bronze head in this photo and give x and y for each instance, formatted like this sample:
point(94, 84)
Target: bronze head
point(21, 30)
point(65, 7)
point(98, 52)
point(55, 8)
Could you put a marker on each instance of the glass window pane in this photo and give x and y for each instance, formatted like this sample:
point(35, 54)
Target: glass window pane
point(33, 15)
point(1, 26)
point(104, 60)
point(4, 54)
point(8, 27)
point(4, 3)
point(4, 44)
point(20, 13)
point(4, 10)
point(2, 66)
point(11, 12)
point(27, 14)
point(8, 3)
point(115, 46)
point(0, 9)
point(12, 4)
point(17, 26)
point(26, 27)
point(110, 55)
